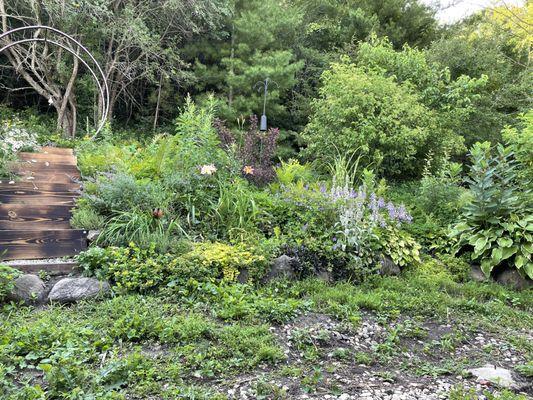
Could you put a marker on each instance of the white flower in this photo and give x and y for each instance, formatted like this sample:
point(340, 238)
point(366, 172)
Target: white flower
point(208, 169)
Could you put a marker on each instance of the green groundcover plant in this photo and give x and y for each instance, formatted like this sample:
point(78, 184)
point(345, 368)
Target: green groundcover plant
point(7, 280)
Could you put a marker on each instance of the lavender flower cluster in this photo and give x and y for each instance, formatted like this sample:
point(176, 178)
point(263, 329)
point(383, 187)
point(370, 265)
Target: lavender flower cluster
point(376, 205)
point(355, 203)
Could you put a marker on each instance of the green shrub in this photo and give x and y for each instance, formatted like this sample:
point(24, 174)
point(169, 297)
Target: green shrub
point(7, 279)
point(385, 121)
point(95, 261)
point(292, 171)
point(122, 192)
point(227, 261)
point(138, 269)
point(440, 193)
point(134, 269)
point(195, 142)
point(96, 157)
point(498, 223)
point(402, 249)
point(85, 217)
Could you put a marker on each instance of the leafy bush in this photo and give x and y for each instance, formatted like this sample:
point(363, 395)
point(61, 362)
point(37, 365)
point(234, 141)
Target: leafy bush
point(255, 150)
point(339, 229)
point(498, 223)
point(402, 249)
point(440, 193)
point(228, 261)
point(85, 217)
point(100, 157)
point(122, 192)
point(133, 268)
point(454, 100)
point(7, 278)
point(195, 142)
point(235, 213)
point(292, 171)
point(363, 110)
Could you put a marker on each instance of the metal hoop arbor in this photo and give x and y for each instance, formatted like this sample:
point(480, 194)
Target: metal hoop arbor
point(103, 86)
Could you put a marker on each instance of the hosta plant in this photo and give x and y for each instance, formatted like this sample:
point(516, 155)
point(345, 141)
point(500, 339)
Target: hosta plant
point(497, 225)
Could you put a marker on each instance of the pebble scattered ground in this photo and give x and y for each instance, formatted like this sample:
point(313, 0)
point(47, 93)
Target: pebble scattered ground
point(346, 379)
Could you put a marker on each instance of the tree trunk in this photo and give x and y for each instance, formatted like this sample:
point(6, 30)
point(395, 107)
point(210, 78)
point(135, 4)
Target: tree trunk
point(156, 116)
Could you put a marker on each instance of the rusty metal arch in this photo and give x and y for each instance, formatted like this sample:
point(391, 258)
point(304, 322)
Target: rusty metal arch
point(104, 90)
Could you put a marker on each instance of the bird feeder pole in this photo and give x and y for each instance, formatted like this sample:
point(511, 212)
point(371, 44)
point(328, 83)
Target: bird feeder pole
point(264, 125)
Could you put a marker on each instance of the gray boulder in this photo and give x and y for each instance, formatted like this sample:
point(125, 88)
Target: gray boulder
point(282, 267)
point(476, 274)
point(92, 235)
point(70, 290)
point(498, 376)
point(388, 267)
point(512, 278)
point(28, 288)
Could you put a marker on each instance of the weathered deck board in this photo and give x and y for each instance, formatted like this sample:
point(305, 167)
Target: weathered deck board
point(35, 210)
point(56, 150)
point(26, 217)
point(51, 268)
point(49, 187)
point(48, 199)
point(51, 158)
point(28, 244)
point(50, 177)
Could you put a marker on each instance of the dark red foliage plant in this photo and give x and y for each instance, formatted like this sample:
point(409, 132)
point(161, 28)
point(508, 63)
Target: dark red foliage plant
point(255, 153)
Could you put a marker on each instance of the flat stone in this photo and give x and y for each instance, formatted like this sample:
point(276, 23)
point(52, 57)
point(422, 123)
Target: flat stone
point(70, 290)
point(498, 376)
point(28, 288)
